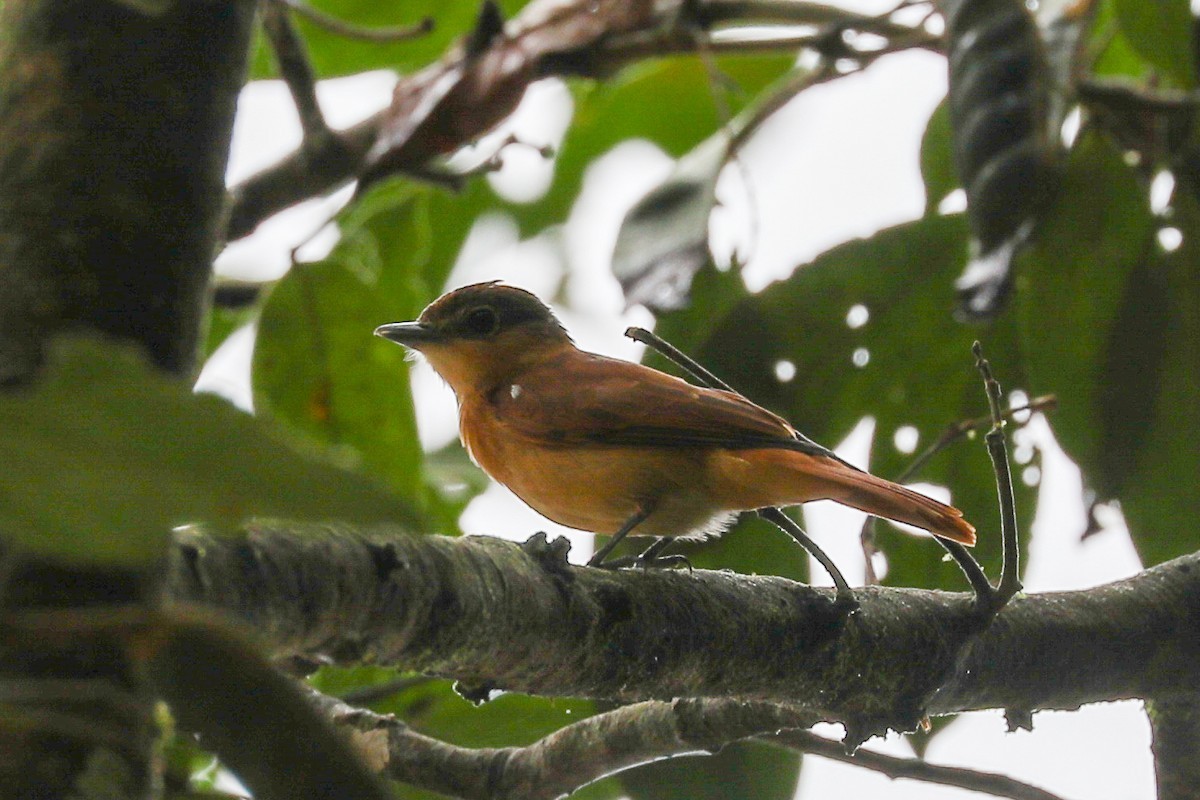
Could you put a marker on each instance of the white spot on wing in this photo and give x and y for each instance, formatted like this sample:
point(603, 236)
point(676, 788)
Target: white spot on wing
point(514, 391)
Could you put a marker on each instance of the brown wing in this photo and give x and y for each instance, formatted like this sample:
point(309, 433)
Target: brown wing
point(605, 401)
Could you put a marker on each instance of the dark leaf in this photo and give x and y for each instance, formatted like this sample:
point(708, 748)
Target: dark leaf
point(1082, 293)
point(884, 302)
point(1161, 33)
point(476, 85)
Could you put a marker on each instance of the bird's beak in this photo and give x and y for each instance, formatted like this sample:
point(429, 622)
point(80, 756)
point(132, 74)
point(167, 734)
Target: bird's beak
point(409, 334)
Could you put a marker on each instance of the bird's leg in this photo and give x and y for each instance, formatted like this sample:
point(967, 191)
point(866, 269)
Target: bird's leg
point(638, 518)
point(651, 557)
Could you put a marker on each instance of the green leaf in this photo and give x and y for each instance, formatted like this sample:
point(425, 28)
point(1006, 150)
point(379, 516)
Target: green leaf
point(105, 455)
point(741, 771)
point(609, 113)
point(318, 368)
point(1158, 449)
point(224, 321)
point(663, 240)
point(1161, 33)
point(1115, 54)
point(1082, 298)
point(333, 54)
point(937, 158)
point(919, 370)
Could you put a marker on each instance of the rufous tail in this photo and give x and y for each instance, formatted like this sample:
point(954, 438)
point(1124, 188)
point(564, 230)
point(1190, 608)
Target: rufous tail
point(901, 504)
point(815, 477)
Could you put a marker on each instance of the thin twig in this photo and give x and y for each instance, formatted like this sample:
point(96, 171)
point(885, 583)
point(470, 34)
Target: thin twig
point(679, 359)
point(313, 171)
point(963, 428)
point(1010, 580)
point(918, 769)
point(613, 741)
point(342, 28)
point(952, 433)
point(297, 72)
point(774, 515)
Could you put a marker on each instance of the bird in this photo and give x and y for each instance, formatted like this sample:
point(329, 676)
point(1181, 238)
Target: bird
point(610, 446)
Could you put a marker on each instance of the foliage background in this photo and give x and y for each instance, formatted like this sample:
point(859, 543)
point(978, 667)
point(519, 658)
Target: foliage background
point(1104, 314)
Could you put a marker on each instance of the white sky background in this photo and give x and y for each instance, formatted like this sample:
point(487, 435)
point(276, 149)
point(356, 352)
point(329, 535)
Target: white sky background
point(837, 163)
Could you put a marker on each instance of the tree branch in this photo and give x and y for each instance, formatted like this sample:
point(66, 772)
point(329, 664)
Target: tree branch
point(567, 759)
point(1175, 725)
point(491, 613)
point(611, 742)
point(582, 38)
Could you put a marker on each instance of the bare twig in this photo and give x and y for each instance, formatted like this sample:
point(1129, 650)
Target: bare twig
point(343, 157)
point(350, 31)
point(774, 515)
point(297, 72)
point(1129, 97)
point(951, 434)
point(680, 359)
point(565, 760)
point(1010, 580)
point(917, 769)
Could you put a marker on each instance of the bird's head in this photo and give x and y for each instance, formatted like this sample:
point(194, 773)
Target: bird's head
point(481, 335)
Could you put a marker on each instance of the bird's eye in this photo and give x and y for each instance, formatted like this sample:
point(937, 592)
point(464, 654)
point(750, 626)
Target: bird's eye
point(483, 321)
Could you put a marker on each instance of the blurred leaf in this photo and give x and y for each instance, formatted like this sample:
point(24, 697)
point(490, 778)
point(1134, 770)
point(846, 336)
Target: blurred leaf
point(317, 365)
point(1115, 54)
point(1158, 450)
point(919, 369)
point(714, 293)
point(333, 54)
point(109, 454)
point(224, 321)
point(1161, 32)
point(510, 719)
point(255, 718)
point(454, 481)
point(741, 771)
point(937, 158)
point(1083, 300)
point(663, 240)
point(608, 113)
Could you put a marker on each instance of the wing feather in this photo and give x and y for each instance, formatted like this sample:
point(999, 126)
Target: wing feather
point(606, 401)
